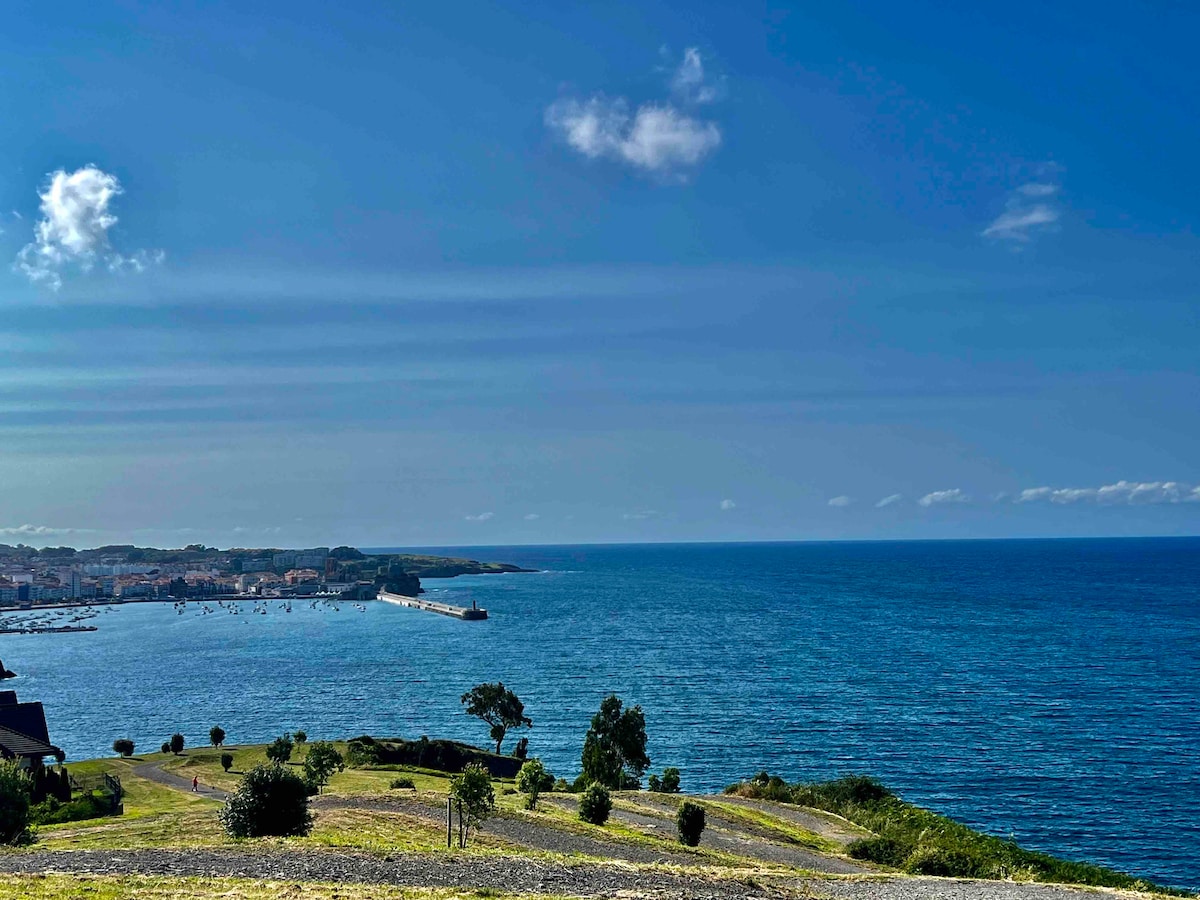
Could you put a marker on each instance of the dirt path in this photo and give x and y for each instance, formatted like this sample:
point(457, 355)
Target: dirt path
point(155, 773)
point(826, 825)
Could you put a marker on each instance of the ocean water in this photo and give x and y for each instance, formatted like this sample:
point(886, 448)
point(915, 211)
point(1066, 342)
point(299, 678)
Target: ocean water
point(1045, 690)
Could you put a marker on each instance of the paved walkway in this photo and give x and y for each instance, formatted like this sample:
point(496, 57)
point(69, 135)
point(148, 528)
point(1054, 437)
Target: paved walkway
point(154, 772)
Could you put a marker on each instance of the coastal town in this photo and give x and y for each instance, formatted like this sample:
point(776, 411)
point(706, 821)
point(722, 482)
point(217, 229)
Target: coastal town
point(55, 576)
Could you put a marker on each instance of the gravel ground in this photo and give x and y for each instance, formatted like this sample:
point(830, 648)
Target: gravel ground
point(514, 874)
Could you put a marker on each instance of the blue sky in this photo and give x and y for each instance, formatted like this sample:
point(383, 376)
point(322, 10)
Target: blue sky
point(456, 273)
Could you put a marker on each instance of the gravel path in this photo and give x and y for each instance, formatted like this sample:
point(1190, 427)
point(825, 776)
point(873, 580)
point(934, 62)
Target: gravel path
point(514, 874)
point(516, 830)
point(826, 825)
point(152, 772)
point(725, 835)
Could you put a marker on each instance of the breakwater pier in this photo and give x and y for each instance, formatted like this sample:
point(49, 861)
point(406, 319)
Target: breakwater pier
point(467, 613)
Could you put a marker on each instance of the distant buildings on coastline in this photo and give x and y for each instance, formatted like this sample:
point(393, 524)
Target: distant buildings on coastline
point(49, 576)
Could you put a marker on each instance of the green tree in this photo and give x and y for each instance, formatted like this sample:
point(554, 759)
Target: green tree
point(166, 747)
point(473, 790)
point(300, 737)
point(595, 804)
point(216, 735)
point(15, 791)
point(176, 743)
point(280, 750)
point(320, 764)
point(226, 761)
point(614, 750)
point(498, 707)
point(123, 746)
point(271, 800)
point(532, 780)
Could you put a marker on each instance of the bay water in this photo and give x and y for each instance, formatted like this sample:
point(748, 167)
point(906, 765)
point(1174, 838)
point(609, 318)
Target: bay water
point(1044, 690)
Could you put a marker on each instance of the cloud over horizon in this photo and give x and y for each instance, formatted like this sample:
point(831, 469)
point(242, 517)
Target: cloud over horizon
point(77, 215)
point(953, 495)
point(841, 502)
point(889, 500)
point(480, 517)
point(1131, 492)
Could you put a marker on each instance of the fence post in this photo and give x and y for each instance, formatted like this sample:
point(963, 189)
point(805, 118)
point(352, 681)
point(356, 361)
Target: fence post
point(449, 820)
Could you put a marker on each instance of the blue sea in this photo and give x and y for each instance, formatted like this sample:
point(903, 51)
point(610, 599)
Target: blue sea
point(1044, 690)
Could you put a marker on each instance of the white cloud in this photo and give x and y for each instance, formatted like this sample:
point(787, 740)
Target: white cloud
point(35, 530)
point(531, 517)
point(841, 502)
point(657, 138)
point(481, 517)
point(1130, 492)
point(727, 505)
point(640, 515)
point(889, 500)
point(689, 82)
point(76, 210)
point(954, 495)
point(1029, 211)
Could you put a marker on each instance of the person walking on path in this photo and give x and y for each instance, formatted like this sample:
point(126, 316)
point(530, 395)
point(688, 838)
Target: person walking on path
point(195, 784)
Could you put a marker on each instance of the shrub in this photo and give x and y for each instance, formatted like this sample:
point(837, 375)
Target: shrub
point(15, 788)
point(948, 862)
point(300, 737)
point(882, 850)
point(403, 783)
point(561, 786)
point(226, 761)
point(280, 749)
point(595, 804)
point(521, 751)
point(689, 820)
point(532, 780)
point(473, 790)
point(123, 746)
point(363, 751)
point(166, 747)
point(271, 800)
point(216, 735)
point(176, 743)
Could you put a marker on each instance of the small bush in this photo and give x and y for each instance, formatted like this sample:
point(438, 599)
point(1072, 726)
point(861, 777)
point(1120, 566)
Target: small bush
point(670, 780)
point(595, 804)
point(123, 746)
point(176, 743)
point(271, 800)
point(403, 783)
point(226, 761)
point(580, 784)
point(881, 850)
point(532, 780)
point(166, 747)
point(216, 735)
point(15, 788)
point(561, 786)
point(689, 821)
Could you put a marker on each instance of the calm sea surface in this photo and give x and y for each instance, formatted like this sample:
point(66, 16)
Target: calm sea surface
point(1048, 690)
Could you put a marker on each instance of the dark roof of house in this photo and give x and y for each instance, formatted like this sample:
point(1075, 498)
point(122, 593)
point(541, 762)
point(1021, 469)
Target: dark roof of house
point(13, 743)
point(26, 718)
